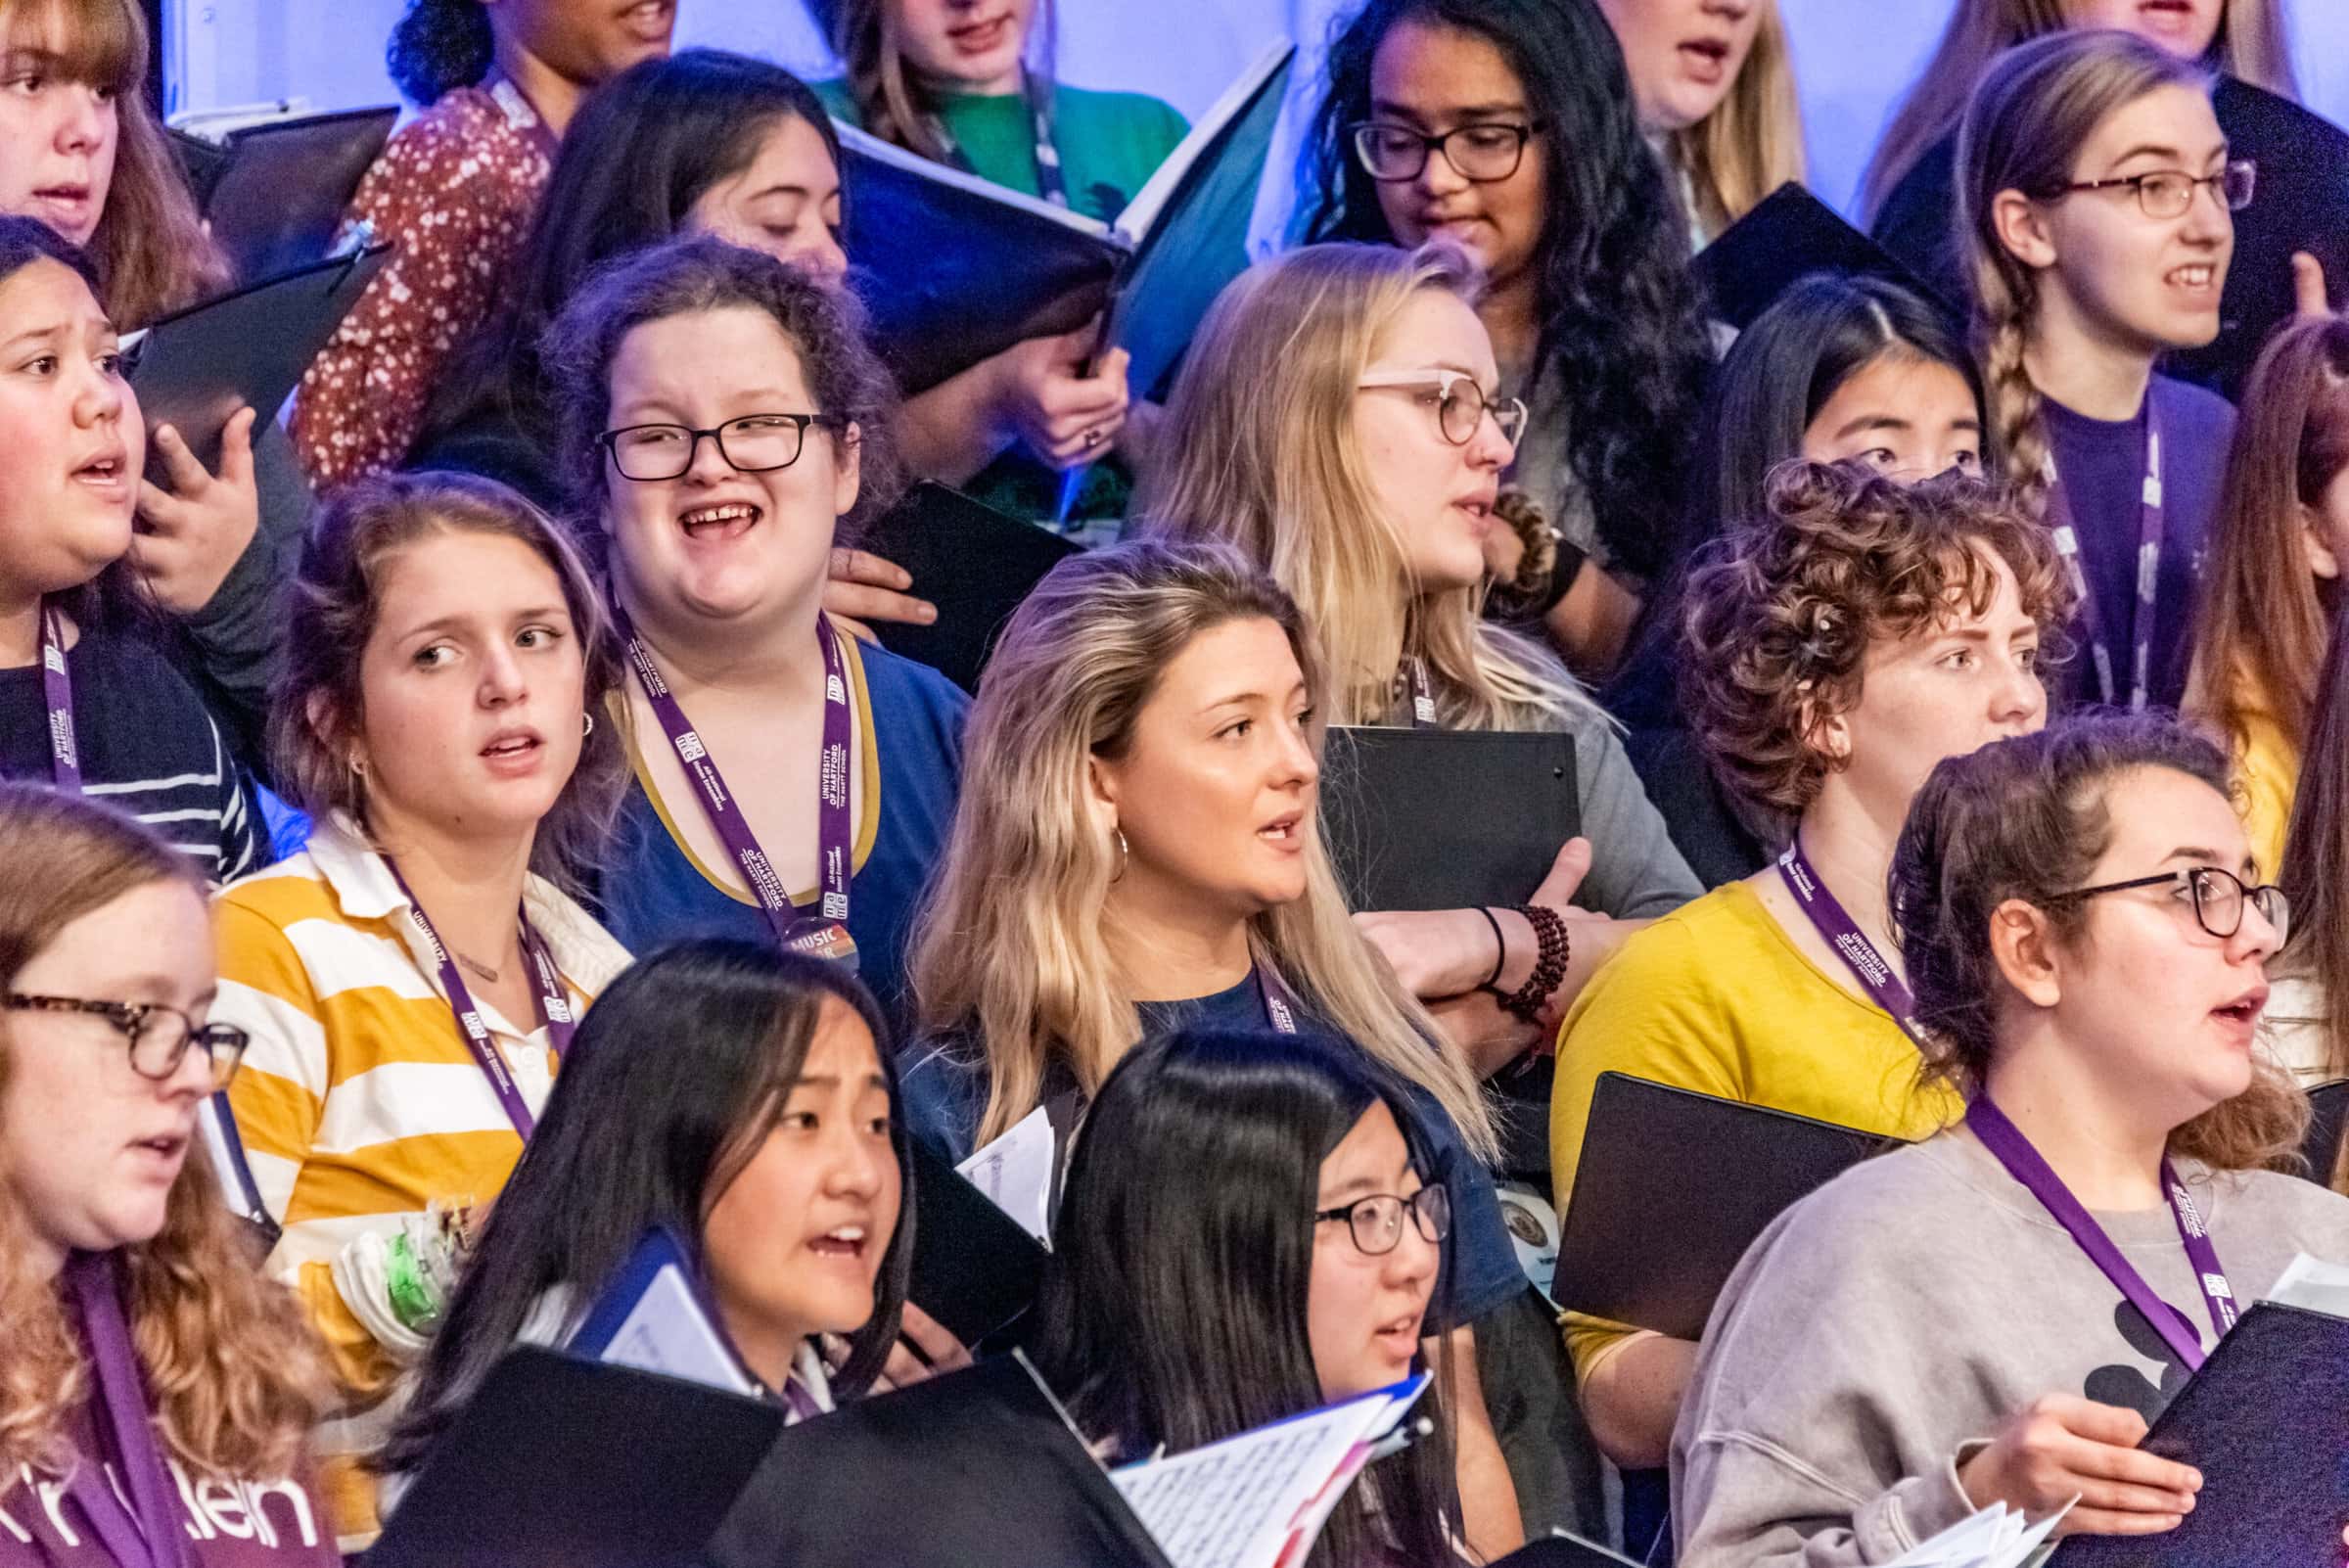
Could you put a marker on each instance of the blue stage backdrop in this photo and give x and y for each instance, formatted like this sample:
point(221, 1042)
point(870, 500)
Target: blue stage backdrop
point(1853, 55)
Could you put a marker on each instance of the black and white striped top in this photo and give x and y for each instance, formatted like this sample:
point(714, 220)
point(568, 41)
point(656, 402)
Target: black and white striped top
point(149, 747)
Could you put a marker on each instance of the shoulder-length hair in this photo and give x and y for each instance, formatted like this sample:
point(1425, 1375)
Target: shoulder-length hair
point(678, 1074)
point(1260, 450)
point(2316, 855)
point(1009, 946)
point(891, 100)
point(644, 148)
point(2029, 817)
point(2253, 43)
point(1780, 611)
point(2260, 631)
point(1173, 1309)
point(150, 248)
point(235, 1376)
point(2035, 110)
point(317, 704)
point(1621, 327)
point(1752, 142)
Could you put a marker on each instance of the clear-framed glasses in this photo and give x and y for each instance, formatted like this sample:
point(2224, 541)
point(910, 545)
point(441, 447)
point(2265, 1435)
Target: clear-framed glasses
point(2168, 193)
point(159, 1037)
point(2219, 899)
point(754, 444)
point(1460, 403)
point(1484, 151)
point(1376, 1222)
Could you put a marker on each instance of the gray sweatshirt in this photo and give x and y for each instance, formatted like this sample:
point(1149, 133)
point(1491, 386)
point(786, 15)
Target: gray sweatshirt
point(1901, 1312)
point(1636, 871)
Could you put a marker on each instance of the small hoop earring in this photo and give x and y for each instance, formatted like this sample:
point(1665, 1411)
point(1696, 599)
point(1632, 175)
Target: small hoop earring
point(586, 725)
point(1123, 856)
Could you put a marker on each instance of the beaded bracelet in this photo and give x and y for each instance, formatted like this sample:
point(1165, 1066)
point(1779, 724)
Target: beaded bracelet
point(1549, 965)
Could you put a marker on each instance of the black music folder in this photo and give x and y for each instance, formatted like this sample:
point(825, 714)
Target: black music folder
point(1446, 818)
point(976, 1469)
point(1671, 1189)
point(2266, 1420)
point(560, 1460)
point(274, 192)
point(954, 269)
point(974, 1270)
point(976, 564)
point(2327, 1129)
point(2301, 204)
point(193, 369)
point(1791, 235)
point(1558, 1549)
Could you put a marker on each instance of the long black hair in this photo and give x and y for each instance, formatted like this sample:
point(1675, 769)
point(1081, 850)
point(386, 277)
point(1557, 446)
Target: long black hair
point(1621, 324)
point(642, 150)
point(1174, 1310)
point(439, 45)
point(669, 1088)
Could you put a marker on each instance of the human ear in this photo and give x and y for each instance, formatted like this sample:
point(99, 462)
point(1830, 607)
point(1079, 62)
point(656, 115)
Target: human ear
point(847, 469)
point(2022, 229)
point(1100, 793)
point(2023, 945)
point(2322, 562)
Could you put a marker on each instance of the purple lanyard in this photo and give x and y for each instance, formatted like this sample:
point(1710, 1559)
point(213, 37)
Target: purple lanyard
point(554, 1008)
point(1422, 698)
point(56, 687)
point(2148, 570)
point(148, 1534)
point(1280, 1002)
point(825, 933)
point(1868, 964)
point(2023, 1162)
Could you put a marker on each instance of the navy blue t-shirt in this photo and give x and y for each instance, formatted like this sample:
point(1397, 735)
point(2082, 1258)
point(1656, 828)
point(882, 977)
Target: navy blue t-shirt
point(2102, 465)
point(909, 745)
point(943, 1086)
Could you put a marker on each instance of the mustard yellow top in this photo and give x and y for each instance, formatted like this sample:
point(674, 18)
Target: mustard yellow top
point(1717, 997)
point(2267, 773)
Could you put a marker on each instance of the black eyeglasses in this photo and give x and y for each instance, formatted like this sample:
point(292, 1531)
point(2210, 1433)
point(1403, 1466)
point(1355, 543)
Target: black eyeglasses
point(1482, 153)
point(755, 443)
point(158, 1036)
point(2219, 897)
point(2168, 193)
point(1376, 1222)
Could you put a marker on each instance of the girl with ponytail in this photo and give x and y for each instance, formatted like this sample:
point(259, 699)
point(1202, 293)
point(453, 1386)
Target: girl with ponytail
point(2096, 199)
point(455, 191)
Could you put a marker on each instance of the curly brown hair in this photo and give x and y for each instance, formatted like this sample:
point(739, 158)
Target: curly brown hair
point(1782, 609)
point(2029, 817)
point(234, 1374)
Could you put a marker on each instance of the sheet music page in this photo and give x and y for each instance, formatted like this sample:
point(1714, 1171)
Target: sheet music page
point(1015, 1172)
point(2314, 1284)
point(667, 1332)
point(1992, 1538)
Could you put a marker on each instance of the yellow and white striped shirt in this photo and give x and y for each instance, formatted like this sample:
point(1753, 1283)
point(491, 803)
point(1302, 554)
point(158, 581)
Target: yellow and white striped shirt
point(359, 1102)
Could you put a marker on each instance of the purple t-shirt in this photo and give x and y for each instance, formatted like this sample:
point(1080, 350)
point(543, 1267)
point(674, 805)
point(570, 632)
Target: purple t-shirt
point(229, 1524)
point(2103, 465)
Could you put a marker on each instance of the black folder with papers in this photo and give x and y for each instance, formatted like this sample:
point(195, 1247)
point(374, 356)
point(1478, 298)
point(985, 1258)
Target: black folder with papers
point(954, 269)
point(274, 192)
point(1562, 1551)
point(1446, 818)
point(2327, 1129)
point(1791, 235)
point(2266, 1420)
point(247, 350)
point(976, 564)
point(1650, 1240)
point(974, 1268)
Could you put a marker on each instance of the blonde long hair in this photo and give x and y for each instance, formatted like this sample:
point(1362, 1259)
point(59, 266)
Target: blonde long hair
point(1260, 451)
point(2253, 43)
point(1752, 142)
point(2035, 110)
point(235, 1374)
point(1009, 944)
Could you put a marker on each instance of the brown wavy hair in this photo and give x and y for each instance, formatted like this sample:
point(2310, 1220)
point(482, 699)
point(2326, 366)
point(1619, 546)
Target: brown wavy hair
point(2259, 634)
point(150, 249)
point(331, 616)
point(2023, 131)
point(235, 1375)
point(1782, 609)
point(2316, 858)
point(2029, 817)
